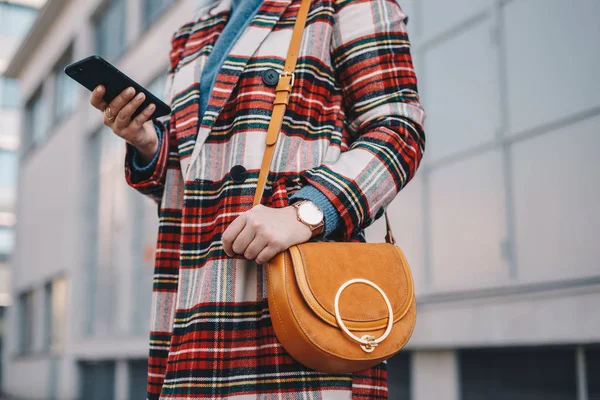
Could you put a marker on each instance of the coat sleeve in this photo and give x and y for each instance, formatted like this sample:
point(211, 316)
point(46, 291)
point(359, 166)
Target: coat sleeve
point(141, 169)
point(370, 52)
point(152, 181)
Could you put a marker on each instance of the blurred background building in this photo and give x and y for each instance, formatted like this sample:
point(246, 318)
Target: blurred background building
point(16, 18)
point(500, 225)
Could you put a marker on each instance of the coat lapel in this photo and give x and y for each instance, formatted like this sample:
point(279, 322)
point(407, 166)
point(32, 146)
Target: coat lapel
point(192, 46)
point(268, 15)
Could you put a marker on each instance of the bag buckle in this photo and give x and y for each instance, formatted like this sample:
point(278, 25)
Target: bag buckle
point(286, 73)
point(371, 343)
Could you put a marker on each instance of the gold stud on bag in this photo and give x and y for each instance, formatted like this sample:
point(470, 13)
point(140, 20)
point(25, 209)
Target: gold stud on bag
point(335, 307)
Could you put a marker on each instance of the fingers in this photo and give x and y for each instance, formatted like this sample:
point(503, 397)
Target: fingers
point(231, 233)
point(260, 233)
point(115, 105)
point(254, 249)
point(243, 240)
point(267, 254)
point(120, 101)
point(124, 116)
point(96, 98)
point(138, 121)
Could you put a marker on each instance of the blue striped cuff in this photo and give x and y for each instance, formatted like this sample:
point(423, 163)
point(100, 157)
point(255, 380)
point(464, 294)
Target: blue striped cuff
point(330, 213)
point(137, 166)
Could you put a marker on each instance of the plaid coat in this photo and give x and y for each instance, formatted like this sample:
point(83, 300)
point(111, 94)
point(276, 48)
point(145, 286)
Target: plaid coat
point(353, 130)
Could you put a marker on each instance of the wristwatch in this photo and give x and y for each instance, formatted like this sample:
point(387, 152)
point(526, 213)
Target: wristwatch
point(310, 215)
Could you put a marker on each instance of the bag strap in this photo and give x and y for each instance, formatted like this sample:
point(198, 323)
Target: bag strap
point(282, 97)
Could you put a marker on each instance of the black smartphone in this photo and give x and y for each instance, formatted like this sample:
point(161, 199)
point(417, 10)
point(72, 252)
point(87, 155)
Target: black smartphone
point(94, 70)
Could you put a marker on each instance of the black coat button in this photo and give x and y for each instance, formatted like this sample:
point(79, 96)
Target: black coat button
point(270, 77)
point(238, 174)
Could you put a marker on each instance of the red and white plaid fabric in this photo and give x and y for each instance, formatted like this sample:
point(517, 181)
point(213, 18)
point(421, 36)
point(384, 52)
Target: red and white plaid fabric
point(353, 130)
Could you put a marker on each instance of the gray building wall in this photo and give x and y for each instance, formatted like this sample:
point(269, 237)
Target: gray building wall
point(56, 193)
point(15, 18)
point(499, 225)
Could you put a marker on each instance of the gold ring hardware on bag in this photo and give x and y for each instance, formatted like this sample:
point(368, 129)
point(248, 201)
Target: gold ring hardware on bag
point(367, 342)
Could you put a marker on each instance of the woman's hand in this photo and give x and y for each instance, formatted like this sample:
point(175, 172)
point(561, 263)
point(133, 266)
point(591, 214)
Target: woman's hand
point(138, 132)
point(262, 232)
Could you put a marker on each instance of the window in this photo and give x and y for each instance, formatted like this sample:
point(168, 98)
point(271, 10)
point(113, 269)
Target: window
point(8, 184)
point(55, 304)
point(154, 9)
point(9, 92)
point(121, 236)
point(138, 379)
point(399, 376)
point(143, 215)
point(36, 121)
point(48, 316)
point(15, 19)
point(8, 168)
point(65, 89)
point(110, 31)
point(26, 328)
point(97, 380)
point(108, 235)
point(144, 241)
point(518, 374)
point(592, 361)
point(7, 241)
point(1, 344)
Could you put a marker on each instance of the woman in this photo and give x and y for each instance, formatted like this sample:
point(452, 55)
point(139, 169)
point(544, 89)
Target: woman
point(352, 138)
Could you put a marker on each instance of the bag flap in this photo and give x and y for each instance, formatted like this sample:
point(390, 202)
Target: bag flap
point(321, 268)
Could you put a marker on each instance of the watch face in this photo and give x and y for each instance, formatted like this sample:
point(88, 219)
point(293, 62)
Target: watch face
point(310, 213)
